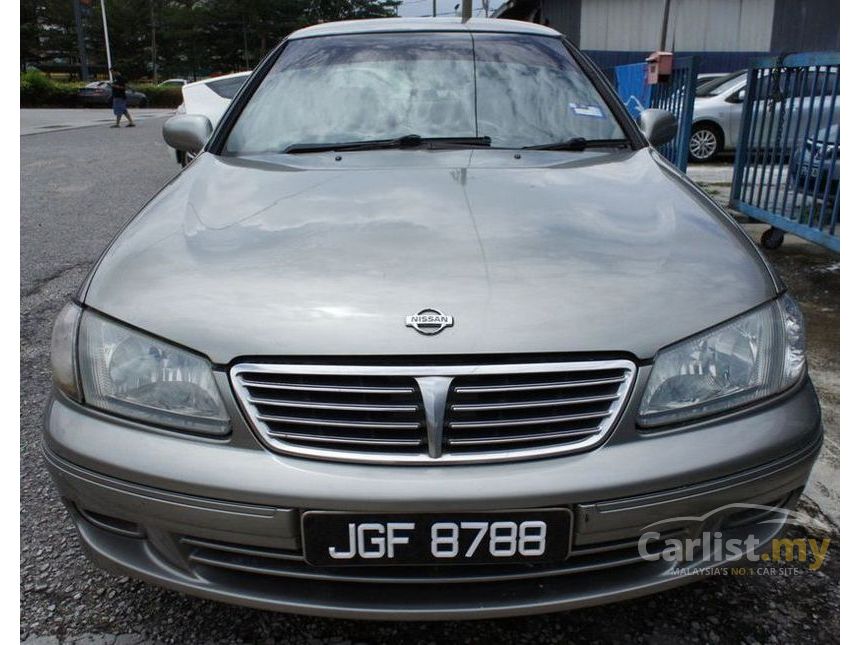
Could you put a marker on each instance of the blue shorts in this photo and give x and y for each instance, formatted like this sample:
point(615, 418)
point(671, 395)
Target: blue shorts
point(119, 106)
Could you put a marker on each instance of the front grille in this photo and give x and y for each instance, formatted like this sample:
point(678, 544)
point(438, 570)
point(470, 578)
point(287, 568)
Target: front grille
point(433, 413)
point(502, 411)
point(343, 412)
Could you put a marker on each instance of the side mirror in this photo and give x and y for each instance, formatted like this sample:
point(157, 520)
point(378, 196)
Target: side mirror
point(187, 132)
point(740, 96)
point(658, 126)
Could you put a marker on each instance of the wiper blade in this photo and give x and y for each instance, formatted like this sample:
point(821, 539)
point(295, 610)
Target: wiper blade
point(406, 141)
point(578, 144)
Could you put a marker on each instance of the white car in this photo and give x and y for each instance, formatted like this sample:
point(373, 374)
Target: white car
point(210, 98)
point(173, 82)
point(701, 79)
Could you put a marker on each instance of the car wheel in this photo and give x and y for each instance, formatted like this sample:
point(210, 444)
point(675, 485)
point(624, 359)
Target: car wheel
point(706, 142)
point(772, 238)
point(143, 103)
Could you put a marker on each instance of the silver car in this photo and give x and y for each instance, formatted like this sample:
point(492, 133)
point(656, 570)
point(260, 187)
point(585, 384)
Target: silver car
point(719, 104)
point(427, 330)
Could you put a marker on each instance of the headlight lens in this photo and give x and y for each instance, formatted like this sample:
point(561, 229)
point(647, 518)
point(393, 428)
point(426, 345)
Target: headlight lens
point(131, 374)
point(746, 359)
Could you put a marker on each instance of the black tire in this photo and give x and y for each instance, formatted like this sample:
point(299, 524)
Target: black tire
point(144, 103)
point(772, 238)
point(706, 142)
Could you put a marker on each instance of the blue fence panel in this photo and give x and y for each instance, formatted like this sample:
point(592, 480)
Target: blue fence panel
point(787, 160)
point(632, 86)
point(677, 96)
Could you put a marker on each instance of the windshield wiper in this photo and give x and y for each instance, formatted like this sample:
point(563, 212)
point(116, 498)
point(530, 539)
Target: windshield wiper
point(406, 141)
point(578, 144)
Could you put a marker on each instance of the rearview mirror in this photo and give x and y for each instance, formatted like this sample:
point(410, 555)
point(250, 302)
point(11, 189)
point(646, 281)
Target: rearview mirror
point(187, 132)
point(658, 126)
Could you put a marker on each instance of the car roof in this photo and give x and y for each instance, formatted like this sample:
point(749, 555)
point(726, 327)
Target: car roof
point(378, 25)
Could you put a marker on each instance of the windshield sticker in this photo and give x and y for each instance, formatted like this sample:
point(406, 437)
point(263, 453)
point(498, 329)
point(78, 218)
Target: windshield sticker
point(587, 110)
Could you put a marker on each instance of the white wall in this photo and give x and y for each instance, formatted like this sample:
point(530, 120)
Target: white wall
point(694, 25)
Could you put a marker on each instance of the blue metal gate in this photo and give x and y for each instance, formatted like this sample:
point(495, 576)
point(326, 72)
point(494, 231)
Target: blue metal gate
point(677, 96)
point(787, 161)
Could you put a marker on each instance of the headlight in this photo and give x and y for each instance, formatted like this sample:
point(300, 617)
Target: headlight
point(131, 374)
point(64, 364)
point(746, 359)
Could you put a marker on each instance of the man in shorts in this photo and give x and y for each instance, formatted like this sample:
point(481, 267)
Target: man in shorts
point(120, 107)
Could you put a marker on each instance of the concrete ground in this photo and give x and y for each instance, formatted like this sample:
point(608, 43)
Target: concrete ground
point(78, 187)
point(45, 120)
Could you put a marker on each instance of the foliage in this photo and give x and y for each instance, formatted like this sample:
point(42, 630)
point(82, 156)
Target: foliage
point(39, 90)
point(164, 97)
point(192, 38)
point(324, 10)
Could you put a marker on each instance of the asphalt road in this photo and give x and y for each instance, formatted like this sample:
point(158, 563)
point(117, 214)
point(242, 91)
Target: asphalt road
point(78, 187)
point(40, 120)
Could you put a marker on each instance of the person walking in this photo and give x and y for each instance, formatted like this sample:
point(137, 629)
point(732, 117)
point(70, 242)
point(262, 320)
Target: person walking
point(120, 106)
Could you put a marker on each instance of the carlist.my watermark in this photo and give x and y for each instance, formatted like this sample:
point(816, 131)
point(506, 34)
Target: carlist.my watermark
point(713, 552)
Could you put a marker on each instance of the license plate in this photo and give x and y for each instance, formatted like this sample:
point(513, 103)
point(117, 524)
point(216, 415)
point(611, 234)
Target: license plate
point(497, 537)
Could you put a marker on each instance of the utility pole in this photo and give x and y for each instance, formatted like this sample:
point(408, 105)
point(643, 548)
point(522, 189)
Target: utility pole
point(434, 8)
point(154, 49)
point(82, 45)
point(486, 4)
point(466, 11)
point(107, 42)
point(665, 28)
point(245, 39)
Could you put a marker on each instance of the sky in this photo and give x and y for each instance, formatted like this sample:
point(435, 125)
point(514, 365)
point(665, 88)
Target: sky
point(443, 7)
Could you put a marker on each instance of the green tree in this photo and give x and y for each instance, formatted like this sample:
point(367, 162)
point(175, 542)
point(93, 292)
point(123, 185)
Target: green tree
point(192, 38)
point(29, 33)
point(326, 10)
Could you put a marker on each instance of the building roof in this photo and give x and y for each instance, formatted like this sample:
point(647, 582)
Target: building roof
point(378, 25)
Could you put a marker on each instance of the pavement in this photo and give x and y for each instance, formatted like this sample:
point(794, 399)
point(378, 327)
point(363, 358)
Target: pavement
point(717, 173)
point(79, 185)
point(37, 121)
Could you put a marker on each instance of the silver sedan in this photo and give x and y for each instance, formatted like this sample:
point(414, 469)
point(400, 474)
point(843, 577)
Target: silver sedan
point(429, 330)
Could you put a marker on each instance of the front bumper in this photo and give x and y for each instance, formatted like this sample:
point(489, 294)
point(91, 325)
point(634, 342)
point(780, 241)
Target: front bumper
point(222, 521)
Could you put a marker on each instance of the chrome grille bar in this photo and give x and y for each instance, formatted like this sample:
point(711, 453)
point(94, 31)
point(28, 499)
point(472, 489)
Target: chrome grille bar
point(333, 389)
point(378, 414)
point(525, 422)
point(353, 407)
point(537, 386)
point(339, 424)
point(487, 407)
point(477, 441)
point(352, 440)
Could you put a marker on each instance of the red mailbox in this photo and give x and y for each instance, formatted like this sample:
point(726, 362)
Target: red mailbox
point(659, 67)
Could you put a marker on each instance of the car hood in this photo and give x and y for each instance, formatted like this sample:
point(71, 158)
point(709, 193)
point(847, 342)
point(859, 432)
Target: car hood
point(307, 255)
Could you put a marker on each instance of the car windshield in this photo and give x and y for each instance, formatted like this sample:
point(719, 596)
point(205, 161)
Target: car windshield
point(226, 88)
point(717, 86)
point(517, 90)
